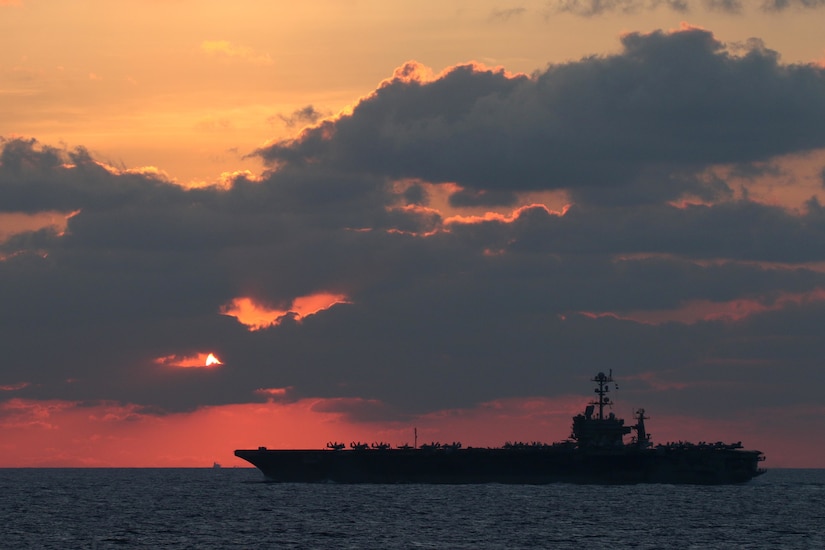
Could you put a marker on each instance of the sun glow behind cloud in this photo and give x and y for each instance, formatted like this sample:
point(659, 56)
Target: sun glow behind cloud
point(197, 361)
point(257, 316)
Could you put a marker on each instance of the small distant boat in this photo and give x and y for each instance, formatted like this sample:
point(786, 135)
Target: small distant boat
point(595, 453)
point(216, 466)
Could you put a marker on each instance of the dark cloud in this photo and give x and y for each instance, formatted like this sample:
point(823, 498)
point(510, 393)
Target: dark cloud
point(665, 108)
point(357, 409)
point(468, 197)
point(591, 8)
point(507, 13)
point(36, 179)
point(755, 170)
point(740, 230)
point(299, 117)
point(779, 5)
point(727, 6)
point(435, 322)
point(441, 313)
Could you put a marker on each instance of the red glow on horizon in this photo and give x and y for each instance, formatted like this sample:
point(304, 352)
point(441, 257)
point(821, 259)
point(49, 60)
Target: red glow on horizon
point(66, 434)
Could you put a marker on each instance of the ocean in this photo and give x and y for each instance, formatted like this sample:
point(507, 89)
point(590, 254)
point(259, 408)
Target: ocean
point(234, 508)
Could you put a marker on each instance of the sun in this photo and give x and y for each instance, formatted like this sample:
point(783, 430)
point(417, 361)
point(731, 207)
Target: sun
point(212, 360)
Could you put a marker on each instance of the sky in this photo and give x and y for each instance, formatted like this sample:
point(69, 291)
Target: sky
point(227, 225)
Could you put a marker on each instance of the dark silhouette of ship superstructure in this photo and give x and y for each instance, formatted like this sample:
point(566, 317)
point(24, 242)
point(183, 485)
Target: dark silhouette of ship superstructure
point(596, 453)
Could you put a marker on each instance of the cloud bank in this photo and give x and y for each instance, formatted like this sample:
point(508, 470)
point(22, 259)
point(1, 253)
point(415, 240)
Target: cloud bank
point(590, 8)
point(442, 306)
point(651, 118)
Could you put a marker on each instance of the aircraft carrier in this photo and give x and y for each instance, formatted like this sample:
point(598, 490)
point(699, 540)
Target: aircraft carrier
point(598, 451)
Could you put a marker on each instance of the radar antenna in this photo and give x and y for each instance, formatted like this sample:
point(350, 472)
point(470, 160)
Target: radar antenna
point(603, 380)
point(642, 437)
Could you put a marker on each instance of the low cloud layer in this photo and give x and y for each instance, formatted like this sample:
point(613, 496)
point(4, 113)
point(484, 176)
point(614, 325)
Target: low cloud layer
point(590, 8)
point(444, 309)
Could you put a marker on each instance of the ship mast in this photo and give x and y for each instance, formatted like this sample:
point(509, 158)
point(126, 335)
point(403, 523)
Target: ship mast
point(603, 381)
point(642, 437)
point(601, 431)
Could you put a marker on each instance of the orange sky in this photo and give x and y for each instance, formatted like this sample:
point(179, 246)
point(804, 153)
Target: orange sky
point(189, 93)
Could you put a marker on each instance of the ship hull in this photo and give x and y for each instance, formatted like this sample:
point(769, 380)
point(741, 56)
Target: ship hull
point(692, 465)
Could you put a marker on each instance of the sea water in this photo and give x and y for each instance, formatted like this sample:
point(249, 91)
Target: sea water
point(234, 508)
